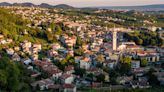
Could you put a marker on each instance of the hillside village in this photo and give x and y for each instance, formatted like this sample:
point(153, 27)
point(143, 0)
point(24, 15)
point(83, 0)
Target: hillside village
point(85, 54)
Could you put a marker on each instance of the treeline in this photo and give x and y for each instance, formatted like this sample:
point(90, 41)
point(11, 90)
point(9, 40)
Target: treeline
point(14, 77)
point(15, 27)
point(144, 38)
point(10, 24)
point(133, 18)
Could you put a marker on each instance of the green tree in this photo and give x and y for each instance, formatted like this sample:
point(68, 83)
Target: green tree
point(12, 76)
point(144, 38)
point(100, 58)
point(79, 42)
point(79, 71)
point(126, 60)
point(152, 78)
point(113, 73)
point(100, 78)
point(139, 41)
point(49, 36)
point(144, 62)
point(58, 30)
point(124, 68)
point(79, 52)
point(3, 79)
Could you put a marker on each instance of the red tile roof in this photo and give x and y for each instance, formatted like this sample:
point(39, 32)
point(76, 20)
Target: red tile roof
point(68, 86)
point(65, 76)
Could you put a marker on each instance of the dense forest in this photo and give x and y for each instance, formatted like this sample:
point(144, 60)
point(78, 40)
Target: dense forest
point(145, 38)
point(14, 76)
point(11, 25)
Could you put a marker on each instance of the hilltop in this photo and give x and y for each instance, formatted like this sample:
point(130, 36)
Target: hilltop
point(43, 5)
point(154, 7)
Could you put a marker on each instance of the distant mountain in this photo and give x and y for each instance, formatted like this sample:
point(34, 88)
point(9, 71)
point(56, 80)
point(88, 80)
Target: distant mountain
point(5, 4)
point(24, 4)
point(63, 6)
point(45, 5)
point(154, 7)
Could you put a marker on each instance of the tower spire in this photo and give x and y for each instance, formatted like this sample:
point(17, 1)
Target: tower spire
point(114, 38)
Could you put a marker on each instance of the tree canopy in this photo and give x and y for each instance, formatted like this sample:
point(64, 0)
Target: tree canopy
point(13, 76)
point(145, 38)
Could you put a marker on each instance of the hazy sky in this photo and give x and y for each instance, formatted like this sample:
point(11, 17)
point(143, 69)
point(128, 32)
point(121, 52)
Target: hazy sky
point(82, 3)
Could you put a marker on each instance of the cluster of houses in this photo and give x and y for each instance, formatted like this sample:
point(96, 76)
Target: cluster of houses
point(66, 80)
point(4, 41)
point(152, 54)
point(26, 48)
point(58, 79)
